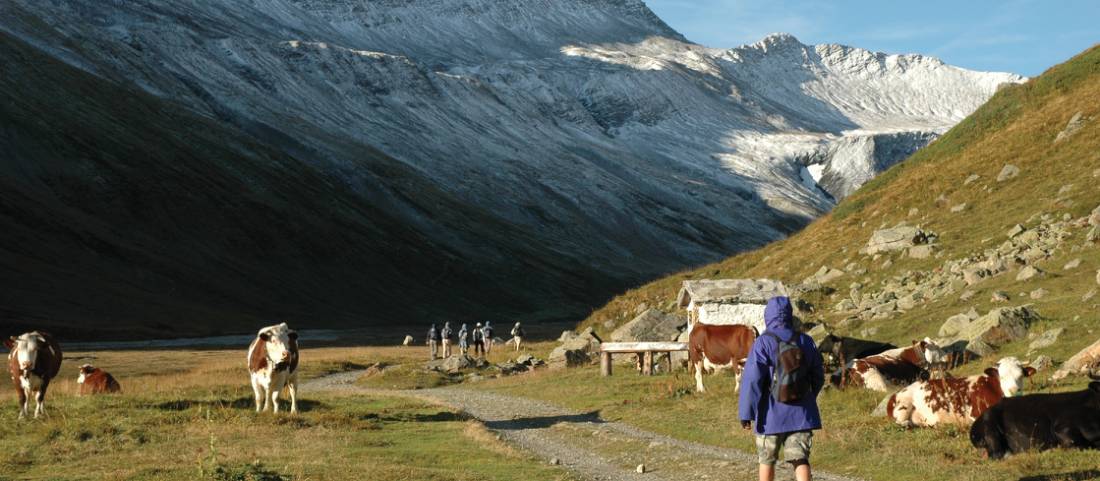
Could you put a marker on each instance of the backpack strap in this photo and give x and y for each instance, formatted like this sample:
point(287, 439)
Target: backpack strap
point(775, 368)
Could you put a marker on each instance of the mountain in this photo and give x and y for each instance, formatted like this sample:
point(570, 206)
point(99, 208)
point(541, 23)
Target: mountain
point(197, 166)
point(1009, 199)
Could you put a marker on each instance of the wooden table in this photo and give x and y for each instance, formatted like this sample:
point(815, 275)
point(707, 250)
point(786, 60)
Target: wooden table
point(645, 349)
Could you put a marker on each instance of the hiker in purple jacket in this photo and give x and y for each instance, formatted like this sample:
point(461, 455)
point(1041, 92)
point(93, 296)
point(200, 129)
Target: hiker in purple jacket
point(779, 425)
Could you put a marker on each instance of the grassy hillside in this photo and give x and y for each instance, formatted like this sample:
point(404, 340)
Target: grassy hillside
point(1017, 126)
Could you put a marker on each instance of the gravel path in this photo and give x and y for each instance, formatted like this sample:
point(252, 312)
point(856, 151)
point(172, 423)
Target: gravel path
point(585, 444)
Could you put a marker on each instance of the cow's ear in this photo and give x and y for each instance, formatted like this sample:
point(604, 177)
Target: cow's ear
point(293, 335)
point(265, 336)
point(1029, 371)
point(991, 372)
point(9, 342)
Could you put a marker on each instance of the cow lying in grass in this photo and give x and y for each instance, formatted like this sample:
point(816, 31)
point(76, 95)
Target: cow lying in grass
point(883, 371)
point(836, 351)
point(1040, 421)
point(957, 400)
point(93, 380)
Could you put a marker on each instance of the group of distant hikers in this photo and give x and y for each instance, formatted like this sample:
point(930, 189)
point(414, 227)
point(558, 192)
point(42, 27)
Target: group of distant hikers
point(481, 338)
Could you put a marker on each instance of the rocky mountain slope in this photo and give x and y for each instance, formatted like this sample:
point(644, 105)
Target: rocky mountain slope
point(438, 157)
point(997, 223)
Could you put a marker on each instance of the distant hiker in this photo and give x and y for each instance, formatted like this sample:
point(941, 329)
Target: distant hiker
point(448, 337)
point(479, 340)
point(783, 376)
point(487, 337)
point(463, 340)
point(434, 339)
point(517, 335)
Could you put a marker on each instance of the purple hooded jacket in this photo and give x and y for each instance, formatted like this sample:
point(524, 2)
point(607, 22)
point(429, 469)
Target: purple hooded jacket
point(756, 403)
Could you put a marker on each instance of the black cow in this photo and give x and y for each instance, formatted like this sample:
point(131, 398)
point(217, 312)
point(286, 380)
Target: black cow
point(1040, 421)
point(837, 350)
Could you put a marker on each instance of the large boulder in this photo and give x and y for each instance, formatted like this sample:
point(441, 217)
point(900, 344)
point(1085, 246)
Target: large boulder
point(574, 352)
point(999, 326)
point(1080, 363)
point(895, 239)
point(451, 365)
point(1047, 339)
point(651, 325)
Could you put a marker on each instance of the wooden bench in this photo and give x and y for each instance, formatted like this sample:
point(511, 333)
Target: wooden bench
point(644, 349)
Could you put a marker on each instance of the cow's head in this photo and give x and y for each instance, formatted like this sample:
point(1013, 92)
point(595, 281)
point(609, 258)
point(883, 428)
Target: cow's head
point(1010, 373)
point(85, 371)
point(25, 350)
point(279, 341)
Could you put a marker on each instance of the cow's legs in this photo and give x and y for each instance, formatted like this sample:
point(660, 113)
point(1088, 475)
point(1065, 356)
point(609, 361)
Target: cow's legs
point(737, 379)
point(699, 377)
point(24, 393)
point(292, 389)
point(258, 390)
point(40, 399)
point(275, 399)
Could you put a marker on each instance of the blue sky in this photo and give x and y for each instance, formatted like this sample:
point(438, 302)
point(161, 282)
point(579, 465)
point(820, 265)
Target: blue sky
point(1020, 36)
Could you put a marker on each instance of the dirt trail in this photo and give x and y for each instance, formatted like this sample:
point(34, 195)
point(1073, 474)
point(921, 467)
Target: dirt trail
point(591, 448)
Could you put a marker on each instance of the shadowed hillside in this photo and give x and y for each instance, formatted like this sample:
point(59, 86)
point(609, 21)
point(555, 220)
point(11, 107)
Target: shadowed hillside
point(125, 215)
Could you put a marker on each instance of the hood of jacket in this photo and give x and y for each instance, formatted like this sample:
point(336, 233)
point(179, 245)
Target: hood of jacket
point(779, 317)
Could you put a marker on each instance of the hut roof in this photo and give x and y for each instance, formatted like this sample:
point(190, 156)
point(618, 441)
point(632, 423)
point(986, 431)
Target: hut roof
point(730, 291)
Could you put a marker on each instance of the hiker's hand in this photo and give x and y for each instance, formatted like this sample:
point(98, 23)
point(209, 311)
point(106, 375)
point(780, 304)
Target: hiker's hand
point(746, 425)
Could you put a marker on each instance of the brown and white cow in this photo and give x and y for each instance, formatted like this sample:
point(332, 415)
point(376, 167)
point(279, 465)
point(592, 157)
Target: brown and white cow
point(896, 367)
point(93, 380)
point(34, 360)
point(715, 347)
point(957, 400)
point(273, 363)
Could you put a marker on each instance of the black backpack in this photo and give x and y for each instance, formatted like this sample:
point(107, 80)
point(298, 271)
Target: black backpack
point(791, 382)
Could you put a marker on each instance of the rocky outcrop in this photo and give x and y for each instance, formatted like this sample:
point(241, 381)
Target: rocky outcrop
point(577, 351)
point(1000, 326)
point(651, 325)
point(1081, 363)
point(895, 239)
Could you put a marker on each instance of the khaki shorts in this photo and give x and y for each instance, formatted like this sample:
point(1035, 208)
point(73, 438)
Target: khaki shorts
point(795, 446)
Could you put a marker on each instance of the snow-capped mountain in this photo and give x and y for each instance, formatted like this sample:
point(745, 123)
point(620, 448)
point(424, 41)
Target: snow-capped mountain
point(590, 127)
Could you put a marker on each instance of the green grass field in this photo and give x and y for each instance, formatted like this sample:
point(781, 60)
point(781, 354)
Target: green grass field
point(188, 415)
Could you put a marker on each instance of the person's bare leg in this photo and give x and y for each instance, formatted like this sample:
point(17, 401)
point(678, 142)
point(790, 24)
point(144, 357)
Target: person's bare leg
point(802, 472)
point(767, 472)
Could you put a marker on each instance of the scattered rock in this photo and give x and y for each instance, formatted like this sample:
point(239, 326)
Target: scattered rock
point(971, 179)
point(1093, 235)
point(980, 349)
point(1072, 264)
point(914, 211)
point(1088, 295)
point(894, 239)
point(451, 365)
point(1042, 363)
point(1080, 363)
point(999, 296)
point(567, 336)
point(555, 462)
point(922, 251)
point(1039, 293)
point(1094, 216)
point(958, 207)
point(408, 341)
point(1015, 231)
point(999, 326)
point(1028, 272)
point(824, 275)
point(1065, 190)
point(953, 325)
point(640, 468)
point(1047, 339)
point(651, 325)
point(1075, 123)
point(1008, 172)
point(574, 352)
point(1098, 277)
point(966, 295)
point(868, 333)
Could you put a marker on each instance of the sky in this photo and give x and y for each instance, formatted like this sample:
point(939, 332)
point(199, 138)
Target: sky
point(1019, 36)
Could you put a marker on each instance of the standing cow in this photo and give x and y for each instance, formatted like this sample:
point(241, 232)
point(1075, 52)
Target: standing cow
point(957, 400)
point(34, 360)
point(273, 363)
point(93, 380)
point(1040, 421)
point(714, 347)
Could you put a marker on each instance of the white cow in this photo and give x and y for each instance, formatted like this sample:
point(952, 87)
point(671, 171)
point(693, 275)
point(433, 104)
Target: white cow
point(273, 363)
